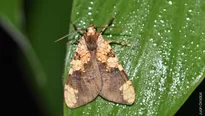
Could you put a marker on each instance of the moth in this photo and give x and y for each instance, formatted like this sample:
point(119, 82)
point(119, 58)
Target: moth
point(96, 71)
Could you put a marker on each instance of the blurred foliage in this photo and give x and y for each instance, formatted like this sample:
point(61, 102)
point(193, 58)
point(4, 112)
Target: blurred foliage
point(165, 65)
point(46, 21)
point(35, 25)
point(11, 11)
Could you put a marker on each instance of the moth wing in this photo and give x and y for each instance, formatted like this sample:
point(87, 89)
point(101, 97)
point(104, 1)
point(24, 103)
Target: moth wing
point(82, 85)
point(116, 86)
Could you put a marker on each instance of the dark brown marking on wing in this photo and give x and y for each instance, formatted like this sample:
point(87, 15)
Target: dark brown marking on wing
point(76, 56)
point(111, 53)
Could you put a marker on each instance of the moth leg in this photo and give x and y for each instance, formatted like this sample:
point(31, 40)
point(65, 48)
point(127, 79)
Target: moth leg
point(109, 23)
point(81, 32)
point(117, 42)
point(73, 42)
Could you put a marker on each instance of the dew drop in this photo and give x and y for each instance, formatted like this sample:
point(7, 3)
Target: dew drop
point(170, 2)
point(161, 21)
point(89, 8)
point(89, 13)
point(188, 19)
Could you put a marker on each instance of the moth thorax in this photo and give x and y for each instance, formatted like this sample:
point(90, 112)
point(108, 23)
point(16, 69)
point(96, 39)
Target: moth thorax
point(91, 42)
point(91, 30)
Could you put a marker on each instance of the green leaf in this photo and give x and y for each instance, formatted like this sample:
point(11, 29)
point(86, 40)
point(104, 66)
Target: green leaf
point(167, 61)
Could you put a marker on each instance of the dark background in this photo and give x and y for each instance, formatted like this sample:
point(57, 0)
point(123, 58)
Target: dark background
point(19, 99)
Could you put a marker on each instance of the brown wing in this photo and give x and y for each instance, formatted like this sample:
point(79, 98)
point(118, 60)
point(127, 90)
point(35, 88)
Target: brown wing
point(84, 81)
point(116, 86)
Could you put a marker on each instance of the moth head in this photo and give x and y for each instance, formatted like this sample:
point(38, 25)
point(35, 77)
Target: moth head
point(91, 30)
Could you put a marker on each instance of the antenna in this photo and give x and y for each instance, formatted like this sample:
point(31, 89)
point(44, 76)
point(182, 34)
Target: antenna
point(62, 38)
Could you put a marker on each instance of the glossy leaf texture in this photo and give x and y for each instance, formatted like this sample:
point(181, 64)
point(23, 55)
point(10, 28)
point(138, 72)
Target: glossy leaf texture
point(166, 61)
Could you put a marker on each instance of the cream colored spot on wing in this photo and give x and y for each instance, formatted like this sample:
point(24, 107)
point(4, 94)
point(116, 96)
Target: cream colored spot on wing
point(102, 57)
point(128, 92)
point(82, 48)
point(112, 62)
point(103, 49)
point(83, 51)
point(70, 96)
point(85, 58)
point(77, 65)
point(70, 71)
point(120, 67)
